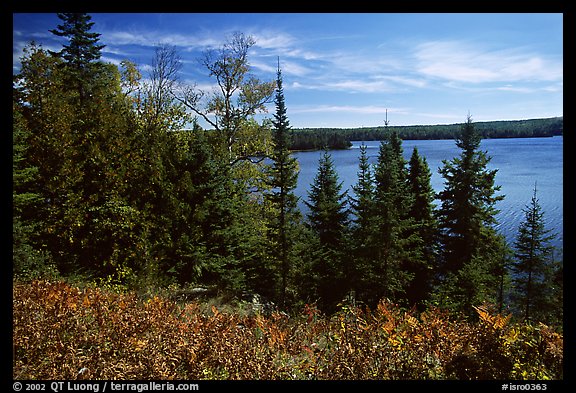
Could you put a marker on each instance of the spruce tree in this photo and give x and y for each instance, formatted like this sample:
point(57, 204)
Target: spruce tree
point(283, 177)
point(328, 219)
point(82, 48)
point(27, 259)
point(472, 250)
point(81, 51)
point(421, 210)
point(533, 269)
point(328, 215)
point(392, 221)
point(363, 246)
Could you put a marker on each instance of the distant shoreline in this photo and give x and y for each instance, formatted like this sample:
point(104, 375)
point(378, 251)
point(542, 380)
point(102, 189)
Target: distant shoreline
point(310, 139)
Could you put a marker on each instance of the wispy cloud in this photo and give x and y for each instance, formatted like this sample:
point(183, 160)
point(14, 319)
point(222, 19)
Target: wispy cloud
point(365, 109)
point(268, 39)
point(149, 38)
point(466, 62)
point(362, 84)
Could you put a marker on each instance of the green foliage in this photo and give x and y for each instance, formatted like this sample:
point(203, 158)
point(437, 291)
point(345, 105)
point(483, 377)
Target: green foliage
point(282, 180)
point(29, 260)
point(328, 215)
point(364, 244)
point(533, 268)
point(107, 186)
point(328, 219)
point(319, 138)
point(467, 219)
point(82, 48)
point(424, 228)
point(240, 96)
point(338, 138)
point(80, 53)
point(395, 243)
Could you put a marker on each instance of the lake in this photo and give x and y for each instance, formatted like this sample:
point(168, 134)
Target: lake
point(520, 163)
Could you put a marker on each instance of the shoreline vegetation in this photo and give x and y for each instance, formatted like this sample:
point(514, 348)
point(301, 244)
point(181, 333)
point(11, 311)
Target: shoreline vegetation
point(309, 139)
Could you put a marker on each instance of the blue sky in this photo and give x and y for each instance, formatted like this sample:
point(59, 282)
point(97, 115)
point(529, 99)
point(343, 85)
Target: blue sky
point(346, 70)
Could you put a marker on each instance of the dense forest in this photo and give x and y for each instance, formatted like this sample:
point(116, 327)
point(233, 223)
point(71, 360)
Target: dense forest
point(339, 138)
point(111, 195)
point(108, 190)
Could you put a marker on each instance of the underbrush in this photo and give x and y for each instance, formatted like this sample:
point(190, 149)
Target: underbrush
point(63, 332)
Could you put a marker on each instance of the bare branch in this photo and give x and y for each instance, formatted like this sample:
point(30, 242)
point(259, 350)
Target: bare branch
point(255, 158)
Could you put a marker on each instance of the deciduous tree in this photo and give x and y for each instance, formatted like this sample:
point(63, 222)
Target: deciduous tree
point(237, 97)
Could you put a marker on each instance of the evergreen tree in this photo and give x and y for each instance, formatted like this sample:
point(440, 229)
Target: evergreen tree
point(328, 219)
point(423, 265)
point(82, 48)
point(48, 115)
point(328, 214)
point(392, 221)
point(81, 51)
point(533, 269)
point(26, 257)
point(89, 156)
point(364, 245)
point(472, 250)
point(283, 177)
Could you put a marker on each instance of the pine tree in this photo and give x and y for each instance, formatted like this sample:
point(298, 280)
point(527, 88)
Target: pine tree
point(283, 177)
point(328, 219)
point(472, 249)
point(423, 265)
point(532, 268)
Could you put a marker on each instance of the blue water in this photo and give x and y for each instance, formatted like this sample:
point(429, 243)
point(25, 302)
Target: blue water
point(520, 162)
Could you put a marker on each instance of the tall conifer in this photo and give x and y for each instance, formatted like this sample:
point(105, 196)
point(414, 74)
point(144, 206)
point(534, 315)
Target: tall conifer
point(81, 51)
point(532, 268)
point(364, 245)
point(421, 210)
point(392, 221)
point(328, 218)
point(472, 250)
point(283, 177)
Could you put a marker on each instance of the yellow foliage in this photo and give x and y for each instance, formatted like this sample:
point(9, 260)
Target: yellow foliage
point(495, 321)
point(59, 329)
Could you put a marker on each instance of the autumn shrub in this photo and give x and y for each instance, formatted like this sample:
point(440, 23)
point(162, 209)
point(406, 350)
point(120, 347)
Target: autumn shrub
point(63, 332)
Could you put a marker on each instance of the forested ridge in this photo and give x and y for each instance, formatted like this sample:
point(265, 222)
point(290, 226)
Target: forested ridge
point(339, 138)
point(108, 192)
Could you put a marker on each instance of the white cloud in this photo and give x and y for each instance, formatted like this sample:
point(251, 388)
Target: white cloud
point(293, 68)
point(273, 40)
point(403, 80)
point(465, 62)
point(152, 38)
point(362, 84)
point(266, 67)
point(365, 109)
point(112, 60)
